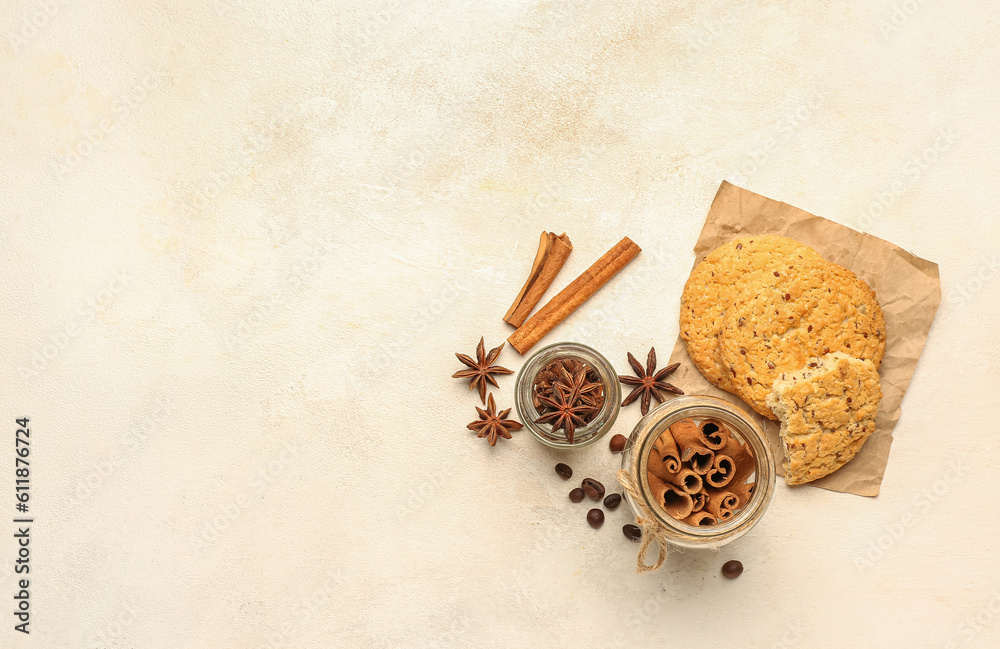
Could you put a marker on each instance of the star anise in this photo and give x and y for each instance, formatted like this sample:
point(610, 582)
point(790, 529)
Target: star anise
point(595, 395)
point(579, 383)
point(648, 383)
point(595, 398)
point(562, 371)
point(568, 410)
point(493, 426)
point(482, 368)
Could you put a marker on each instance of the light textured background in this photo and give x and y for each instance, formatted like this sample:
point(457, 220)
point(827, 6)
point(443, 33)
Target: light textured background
point(242, 240)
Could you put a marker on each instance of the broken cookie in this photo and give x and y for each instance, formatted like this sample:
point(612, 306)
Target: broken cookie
point(827, 411)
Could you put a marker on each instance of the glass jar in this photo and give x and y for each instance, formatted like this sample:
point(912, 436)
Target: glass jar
point(584, 435)
point(743, 426)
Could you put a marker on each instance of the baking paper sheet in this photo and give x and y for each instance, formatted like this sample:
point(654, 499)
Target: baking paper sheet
point(907, 287)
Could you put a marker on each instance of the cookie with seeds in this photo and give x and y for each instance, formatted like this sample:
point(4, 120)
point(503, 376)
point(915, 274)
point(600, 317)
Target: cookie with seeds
point(827, 411)
point(775, 324)
point(711, 288)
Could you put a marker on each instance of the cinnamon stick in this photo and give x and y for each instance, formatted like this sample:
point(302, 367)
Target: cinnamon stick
point(552, 253)
point(664, 459)
point(567, 300)
point(688, 440)
point(700, 500)
point(743, 492)
point(686, 480)
point(713, 433)
point(673, 501)
point(722, 503)
point(723, 470)
point(700, 519)
point(669, 454)
point(656, 465)
point(742, 459)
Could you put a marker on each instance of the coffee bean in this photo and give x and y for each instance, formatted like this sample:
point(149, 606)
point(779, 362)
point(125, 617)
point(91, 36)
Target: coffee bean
point(632, 532)
point(612, 501)
point(595, 517)
point(564, 471)
point(617, 443)
point(576, 495)
point(593, 488)
point(732, 569)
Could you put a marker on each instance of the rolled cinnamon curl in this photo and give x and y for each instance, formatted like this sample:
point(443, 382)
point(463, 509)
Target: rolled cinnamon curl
point(688, 439)
point(669, 453)
point(700, 500)
point(723, 470)
point(552, 253)
point(722, 504)
point(664, 460)
point(742, 458)
point(700, 519)
point(713, 433)
point(676, 502)
point(743, 491)
point(686, 480)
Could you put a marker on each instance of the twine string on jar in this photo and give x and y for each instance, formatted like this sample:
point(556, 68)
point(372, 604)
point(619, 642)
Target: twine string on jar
point(651, 529)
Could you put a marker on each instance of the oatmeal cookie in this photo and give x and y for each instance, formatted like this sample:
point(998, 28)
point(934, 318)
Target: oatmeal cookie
point(712, 288)
point(827, 411)
point(776, 323)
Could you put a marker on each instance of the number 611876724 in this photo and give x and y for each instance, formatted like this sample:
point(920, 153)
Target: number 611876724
point(21, 449)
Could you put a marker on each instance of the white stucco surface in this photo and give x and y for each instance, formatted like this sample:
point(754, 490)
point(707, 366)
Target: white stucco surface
point(241, 242)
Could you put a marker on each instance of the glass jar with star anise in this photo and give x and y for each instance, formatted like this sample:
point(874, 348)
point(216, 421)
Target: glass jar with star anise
point(567, 395)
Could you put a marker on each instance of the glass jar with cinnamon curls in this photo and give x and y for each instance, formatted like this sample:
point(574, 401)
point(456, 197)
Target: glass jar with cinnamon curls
point(701, 471)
